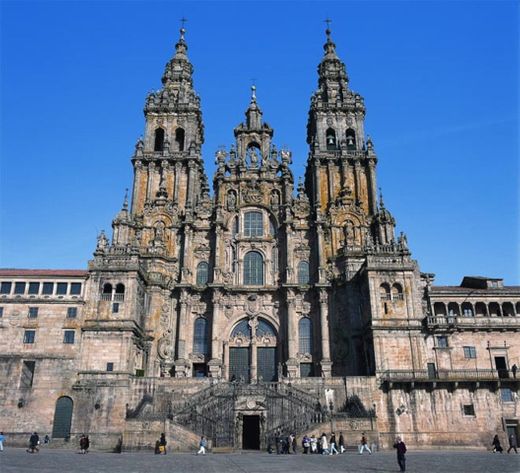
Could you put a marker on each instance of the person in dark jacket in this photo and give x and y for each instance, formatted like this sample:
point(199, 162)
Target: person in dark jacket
point(513, 444)
point(496, 445)
point(162, 444)
point(34, 440)
point(341, 443)
point(401, 451)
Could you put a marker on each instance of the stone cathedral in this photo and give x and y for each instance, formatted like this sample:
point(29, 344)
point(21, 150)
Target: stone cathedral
point(268, 307)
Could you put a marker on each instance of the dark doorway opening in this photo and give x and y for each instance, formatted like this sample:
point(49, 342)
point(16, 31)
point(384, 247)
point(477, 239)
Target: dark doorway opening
point(62, 418)
point(432, 371)
point(251, 433)
point(501, 366)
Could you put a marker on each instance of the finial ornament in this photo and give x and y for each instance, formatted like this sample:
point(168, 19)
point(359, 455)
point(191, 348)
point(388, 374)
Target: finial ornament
point(381, 203)
point(125, 201)
point(183, 30)
point(253, 93)
point(327, 31)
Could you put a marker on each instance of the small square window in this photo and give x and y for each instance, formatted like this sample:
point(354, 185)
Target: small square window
point(115, 307)
point(442, 342)
point(48, 288)
point(72, 312)
point(68, 336)
point(19, 288)
point(5, 287)
point(29, 336)
point(75, 288)
point(33, 312)
point(506, 395)
point(470, 352)
point(34, 288)
point(110, 366)
point(469, 410)
point(61, 288)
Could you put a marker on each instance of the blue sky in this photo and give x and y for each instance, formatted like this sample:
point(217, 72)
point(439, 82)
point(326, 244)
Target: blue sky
point(440, 81)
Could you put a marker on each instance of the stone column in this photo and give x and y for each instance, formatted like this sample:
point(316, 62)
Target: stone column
point(181, 362)
point(317, 197)
point(178, 168)
point(357, 179)
point(321, 256)
point(326, 364)
point(330, 179)
point(292, 336)
point(152, 172)
point(139, 189)
point(254, 360)
point(191, 183)
point(215, 364)
point(373, 188)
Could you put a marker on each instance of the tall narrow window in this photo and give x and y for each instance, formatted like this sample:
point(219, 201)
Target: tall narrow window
point(29, 336)
point(159, 140)
point(179, 138)
point(200, 337)
point(397, 292)
point(33, 312)
point(202, 273)
point(120, 292)
point(351, 139)
point(305, 335)
point(303, 272)
point(107, 292)
point(253, 269)
point(253, 224)
point(26, 380)
point(331, 139)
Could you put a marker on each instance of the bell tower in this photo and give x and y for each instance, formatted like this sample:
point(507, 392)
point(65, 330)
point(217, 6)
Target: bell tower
point(167, 160)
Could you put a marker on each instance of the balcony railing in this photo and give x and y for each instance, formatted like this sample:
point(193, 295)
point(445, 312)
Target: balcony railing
point(456, 321)
point(404, 376)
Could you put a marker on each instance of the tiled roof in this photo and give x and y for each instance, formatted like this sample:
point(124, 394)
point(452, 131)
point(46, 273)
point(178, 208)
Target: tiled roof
point(468, 290)
point(43, 272)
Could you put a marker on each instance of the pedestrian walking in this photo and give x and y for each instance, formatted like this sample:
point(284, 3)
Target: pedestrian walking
point(514, 369)
point(333, 449)
point(162, 444)
point(513, 443)
point(82, 444)
point(46, 439)
point(364, 445)
point(341, 443)
point(2, 440)
point(314, 444)
point(202, 445)
point(87, 443)
point(34, 441)
point(294, 441)
point(324, 444)
point(289, 443)
point(496, 445)
point(277, 443)
point(306, 444)
point(401, 451)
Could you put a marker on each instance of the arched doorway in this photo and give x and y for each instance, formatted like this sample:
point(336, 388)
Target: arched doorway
point(253, 351)
point(62, 418)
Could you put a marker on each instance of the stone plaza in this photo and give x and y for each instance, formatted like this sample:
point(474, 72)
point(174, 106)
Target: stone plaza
point(16, 460)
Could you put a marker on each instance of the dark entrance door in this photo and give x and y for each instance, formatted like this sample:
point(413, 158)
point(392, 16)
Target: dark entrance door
point(501, 366)
point(251, 433)
point(62, 418)
point(239, 364)
point(267, 363)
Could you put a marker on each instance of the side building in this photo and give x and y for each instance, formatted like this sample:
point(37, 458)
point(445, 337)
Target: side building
point(265, 309)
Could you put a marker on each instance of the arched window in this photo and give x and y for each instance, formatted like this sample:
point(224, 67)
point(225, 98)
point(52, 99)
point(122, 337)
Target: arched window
point(253, 224)
point(351, 139)
point(120, 292)
point(202, 273)
point(331, 139)
point(494, 310)
point(439, 308)
point(242, 329)
point(265, 329)
point(253, 269)
point(397, 292)
point(303, 272)
point(508, 310)
point(159, 140)
point(453, 309)
point(179, 139)
point(384, 292)
point(200, 337)
point(481, 309)
point(305, 335)
point(107, 292)
point(467, 309)
point(518, 308)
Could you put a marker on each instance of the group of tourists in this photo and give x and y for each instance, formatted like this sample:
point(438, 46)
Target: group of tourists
point(497, 447)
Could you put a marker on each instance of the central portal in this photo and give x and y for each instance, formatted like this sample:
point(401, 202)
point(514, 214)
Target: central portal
point(251, 433)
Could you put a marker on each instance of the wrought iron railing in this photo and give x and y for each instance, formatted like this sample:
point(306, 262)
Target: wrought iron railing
point(471, 322)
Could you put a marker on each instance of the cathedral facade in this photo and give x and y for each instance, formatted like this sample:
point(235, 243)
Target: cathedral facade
point(270, 307)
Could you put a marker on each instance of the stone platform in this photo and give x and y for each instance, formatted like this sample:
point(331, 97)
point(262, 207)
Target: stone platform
point(15, 460)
